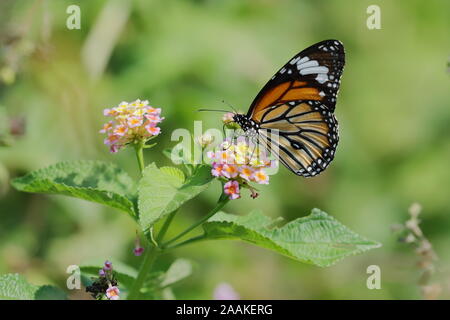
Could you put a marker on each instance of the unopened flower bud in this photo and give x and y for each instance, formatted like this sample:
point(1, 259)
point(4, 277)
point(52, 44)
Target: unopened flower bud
point(108, 265)
point(205, 140)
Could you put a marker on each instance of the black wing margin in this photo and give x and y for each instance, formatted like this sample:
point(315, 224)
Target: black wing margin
point(319, 66)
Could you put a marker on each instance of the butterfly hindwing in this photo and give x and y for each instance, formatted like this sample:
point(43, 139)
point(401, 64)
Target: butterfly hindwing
point(306, 135)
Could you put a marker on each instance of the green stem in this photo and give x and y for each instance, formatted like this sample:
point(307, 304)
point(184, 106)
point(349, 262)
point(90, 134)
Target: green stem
point(152, 253)
point(220, 204)
point(165, 226)
point(149, 259)
point(140, 155)
point(199, 238)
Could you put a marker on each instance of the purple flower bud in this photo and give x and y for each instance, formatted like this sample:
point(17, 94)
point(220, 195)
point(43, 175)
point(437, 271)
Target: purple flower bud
point(108, 265)
point(138, 251)
point(101, 273)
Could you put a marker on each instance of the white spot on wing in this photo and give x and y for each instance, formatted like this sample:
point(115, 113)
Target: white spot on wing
point(293, 61)
point(303, 60)
point(311, 70)
point(322, 77)
point(308, 64)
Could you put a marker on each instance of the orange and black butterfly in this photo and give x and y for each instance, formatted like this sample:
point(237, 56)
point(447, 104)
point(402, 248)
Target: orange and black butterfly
point(298, 103)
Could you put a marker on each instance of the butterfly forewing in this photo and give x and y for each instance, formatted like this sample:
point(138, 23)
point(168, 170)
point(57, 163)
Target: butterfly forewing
point(298, 103)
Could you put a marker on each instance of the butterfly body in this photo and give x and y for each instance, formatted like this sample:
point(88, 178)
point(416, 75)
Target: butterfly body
point(249, 126)
point(298, 105)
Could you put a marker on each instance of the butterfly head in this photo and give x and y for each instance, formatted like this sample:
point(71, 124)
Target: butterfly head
point(245, 123)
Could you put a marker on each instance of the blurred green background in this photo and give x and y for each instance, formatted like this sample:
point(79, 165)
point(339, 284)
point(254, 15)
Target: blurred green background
point(393, 111)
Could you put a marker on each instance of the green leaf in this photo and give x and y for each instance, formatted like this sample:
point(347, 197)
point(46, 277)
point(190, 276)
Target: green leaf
point(178, 157)
point(94, 181)
point(178, 270)
point(157, 284)
point(125, 274)
point(316, 239)
point(162, 191)
point(176, 173)
point(16, 287)
point(50, 293)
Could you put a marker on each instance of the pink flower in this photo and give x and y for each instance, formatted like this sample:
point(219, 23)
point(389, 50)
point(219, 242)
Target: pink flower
point(112, 293)
point(153, 130)
point(246, 172)
point(108, 112)
point(231, 188)
point(134, 122)
point(120, 130)
point(217, 169)
point(230, 171)
point(153, 118)
point(153, 110)
point(106, 127)
point(261, 177)
point(111, 139)
point(225, 157)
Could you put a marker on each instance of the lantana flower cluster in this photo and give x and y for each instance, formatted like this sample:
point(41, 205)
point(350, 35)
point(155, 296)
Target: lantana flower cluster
point(105, 284)
point(132, 122)
point(237, 162)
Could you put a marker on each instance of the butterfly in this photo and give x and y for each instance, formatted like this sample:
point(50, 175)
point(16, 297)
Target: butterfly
point(298, 103)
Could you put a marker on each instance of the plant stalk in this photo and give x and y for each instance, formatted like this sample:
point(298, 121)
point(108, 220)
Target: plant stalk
point(220, 204)
point(165, 226)
point(139, 147)
point(152, 253)
point(186, 242)
point(149, 258)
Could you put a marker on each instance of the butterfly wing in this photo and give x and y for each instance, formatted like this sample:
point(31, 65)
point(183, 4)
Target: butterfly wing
point(303, 135)
point(299, 102)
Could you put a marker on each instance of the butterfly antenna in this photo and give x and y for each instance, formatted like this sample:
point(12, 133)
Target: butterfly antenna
point(229, 105)
point(213, 110)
